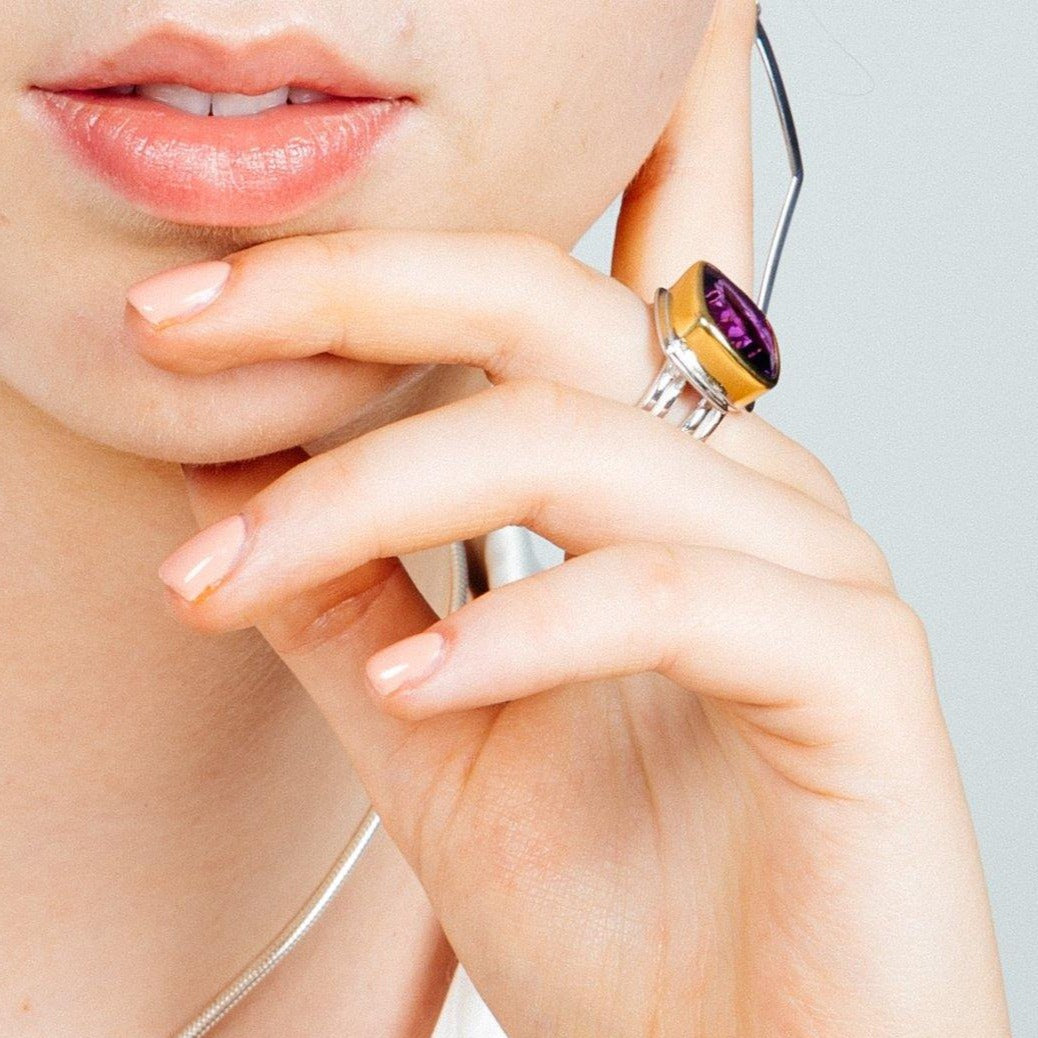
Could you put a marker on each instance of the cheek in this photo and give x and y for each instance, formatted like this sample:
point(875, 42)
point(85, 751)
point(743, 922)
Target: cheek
point(565, 101)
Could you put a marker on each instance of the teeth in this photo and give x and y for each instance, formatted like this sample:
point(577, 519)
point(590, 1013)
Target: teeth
point(186, 98)
point(243, 104)
point(198, 102)
point(301, 96)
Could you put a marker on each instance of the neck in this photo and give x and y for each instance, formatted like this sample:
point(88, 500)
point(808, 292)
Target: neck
point(153, 780)
point(99, 682)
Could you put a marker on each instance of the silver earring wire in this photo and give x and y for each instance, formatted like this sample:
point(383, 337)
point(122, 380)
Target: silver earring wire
point(796, 167)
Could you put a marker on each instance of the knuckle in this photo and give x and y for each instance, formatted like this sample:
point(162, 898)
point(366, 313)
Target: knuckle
point(874, 563)
point(825, 485)
point(524, 413)
point(901, 668)
point(341, 466)
point(331, 248)
point(316, 249)
point(308, 253)
point(658, 572)
point(315, 263)
point(910, 634)
point(555, 408)
point(504, 354)
point(351, 470)
point(662, 584)
point(288, 495)
point(807, 471)
point(556, 421)
point(329, 612)
point(320, 258)
point(537, 250)
point(524, 262)
point(528, 262)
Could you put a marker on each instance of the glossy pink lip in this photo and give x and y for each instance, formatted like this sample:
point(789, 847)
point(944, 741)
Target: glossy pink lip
point(244, 170)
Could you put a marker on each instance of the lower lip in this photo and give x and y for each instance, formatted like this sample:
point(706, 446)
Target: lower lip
point(242, 171)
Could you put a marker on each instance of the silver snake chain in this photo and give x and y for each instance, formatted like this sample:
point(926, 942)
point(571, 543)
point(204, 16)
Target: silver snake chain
point(303, 921)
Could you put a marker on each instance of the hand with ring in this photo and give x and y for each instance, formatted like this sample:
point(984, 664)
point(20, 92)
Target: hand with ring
point(692, 780)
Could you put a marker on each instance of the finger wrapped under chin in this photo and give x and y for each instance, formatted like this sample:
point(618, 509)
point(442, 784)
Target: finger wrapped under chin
point(578, 469)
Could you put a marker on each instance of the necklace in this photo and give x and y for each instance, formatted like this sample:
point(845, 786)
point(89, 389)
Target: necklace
point(304, 920)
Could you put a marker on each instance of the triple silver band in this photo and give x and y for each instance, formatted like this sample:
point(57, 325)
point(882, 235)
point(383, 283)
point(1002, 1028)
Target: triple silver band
point(682, 368)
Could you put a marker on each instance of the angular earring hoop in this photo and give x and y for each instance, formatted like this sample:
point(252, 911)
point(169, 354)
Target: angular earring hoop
point(796, 167)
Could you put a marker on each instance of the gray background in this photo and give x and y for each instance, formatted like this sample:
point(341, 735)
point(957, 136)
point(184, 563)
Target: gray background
point(906, 307)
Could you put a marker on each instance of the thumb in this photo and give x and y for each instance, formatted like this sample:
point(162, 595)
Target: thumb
point(692, 198)
point(412, 770)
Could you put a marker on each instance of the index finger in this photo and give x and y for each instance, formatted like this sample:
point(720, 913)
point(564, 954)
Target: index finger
point(514, 305)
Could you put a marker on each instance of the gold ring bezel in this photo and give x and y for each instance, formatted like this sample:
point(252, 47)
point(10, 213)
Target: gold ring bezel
point(692, 323)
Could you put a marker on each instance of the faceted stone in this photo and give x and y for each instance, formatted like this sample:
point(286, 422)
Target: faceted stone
point(742, 323)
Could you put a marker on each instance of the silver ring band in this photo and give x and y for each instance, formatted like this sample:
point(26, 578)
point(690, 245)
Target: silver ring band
point(682, 368)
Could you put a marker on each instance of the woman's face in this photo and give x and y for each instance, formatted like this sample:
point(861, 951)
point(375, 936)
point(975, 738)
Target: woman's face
point(527, 115)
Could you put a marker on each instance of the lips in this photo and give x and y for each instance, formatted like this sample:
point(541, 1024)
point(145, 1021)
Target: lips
point(139, 121)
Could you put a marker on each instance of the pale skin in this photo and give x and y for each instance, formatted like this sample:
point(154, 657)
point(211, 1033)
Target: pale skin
point(694, 780)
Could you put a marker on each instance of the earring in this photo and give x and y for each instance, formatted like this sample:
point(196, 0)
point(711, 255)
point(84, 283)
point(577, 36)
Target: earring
point(796, 167)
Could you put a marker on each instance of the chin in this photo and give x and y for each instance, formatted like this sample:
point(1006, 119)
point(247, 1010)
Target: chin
point(317, 403)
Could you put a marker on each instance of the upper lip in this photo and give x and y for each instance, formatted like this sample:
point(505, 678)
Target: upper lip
point(167, 54)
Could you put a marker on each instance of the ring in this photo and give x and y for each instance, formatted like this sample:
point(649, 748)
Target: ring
point(713, 336)
point(716, 339)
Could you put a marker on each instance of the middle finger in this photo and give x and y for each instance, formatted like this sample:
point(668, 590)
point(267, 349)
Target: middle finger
point(581, 470)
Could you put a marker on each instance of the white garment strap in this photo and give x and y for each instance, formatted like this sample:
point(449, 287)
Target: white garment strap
point(514, 552)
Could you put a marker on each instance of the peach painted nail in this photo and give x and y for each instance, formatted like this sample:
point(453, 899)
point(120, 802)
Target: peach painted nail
point(408, 661)
point(178, 293)
point(205, 560)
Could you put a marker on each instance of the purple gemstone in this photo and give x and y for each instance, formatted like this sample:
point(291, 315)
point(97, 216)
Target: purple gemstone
point(743, 324)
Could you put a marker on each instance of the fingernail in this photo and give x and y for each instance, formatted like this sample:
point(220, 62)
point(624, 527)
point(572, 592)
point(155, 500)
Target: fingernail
point(178, 293)
point(205, 560)
point(408, 661)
